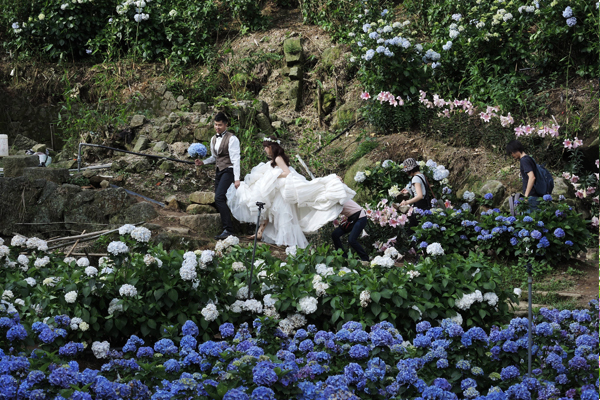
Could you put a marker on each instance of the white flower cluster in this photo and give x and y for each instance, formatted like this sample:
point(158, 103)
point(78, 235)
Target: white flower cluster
point(149, 259)
point(291, 251)
point(384, 261)
point(18, 241)
point(224, 244)
point(19, 302)
point(392, 253)
point(435, 249)
point(128, 290)
point(37, 244)
point(365, 298)
point(71, 297)
point(126, 229)
point(290, 324)
point(467, 300)
point(75, 322)
point(188, 267)
point(7, 295)
point(252, 305)
point(210, 312)
point(320, 286)
point(457, 318)
point(242, 293)
point(51, 281)
point(91, 271)
point(324, 270)
point(100, 349)
point(360, 176)
point(238, 266)
point(387, 163)
point(412, 274)
point(394, 191)
point(308, 305)
point(69, 260)
point(30, 281)
point(491, 298)
point(173, 13)
point(440, 172)
point(4, 251)
point(206, 257)
point(469, 196)
point(117, 247)
point(40, 262)
point(141, 234)
point(517, 291)
point(83, 262)
point(114, 306)
point(269, 300)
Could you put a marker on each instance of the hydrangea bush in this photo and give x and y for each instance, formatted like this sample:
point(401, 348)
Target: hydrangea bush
point(444, 361)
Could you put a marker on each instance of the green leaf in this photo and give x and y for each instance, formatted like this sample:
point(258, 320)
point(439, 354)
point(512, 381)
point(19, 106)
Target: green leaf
point(375, 308)
point(151, 323)
point(402, 293)
point(158, 294)
point(182, 318)
point(376, 296)
point(482, 313)
point(173, 295)
point(336, 315)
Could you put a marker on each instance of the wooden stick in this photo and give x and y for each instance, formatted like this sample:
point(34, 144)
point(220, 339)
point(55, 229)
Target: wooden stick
point(305, 167)
point(90, 254)
point(71, 238)
point(76, 242)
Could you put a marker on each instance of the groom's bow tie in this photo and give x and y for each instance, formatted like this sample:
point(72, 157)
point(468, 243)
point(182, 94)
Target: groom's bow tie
point(220, 135)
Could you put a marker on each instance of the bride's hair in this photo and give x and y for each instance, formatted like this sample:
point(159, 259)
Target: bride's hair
point(276, 150)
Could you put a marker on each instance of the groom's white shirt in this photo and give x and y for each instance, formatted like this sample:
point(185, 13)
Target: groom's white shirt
point(234, 154)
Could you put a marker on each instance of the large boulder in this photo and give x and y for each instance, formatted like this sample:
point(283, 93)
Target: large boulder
point(292, 48)
point(563, 187)
point(496, 188)
point(202, 198)
point(200, 209)
point(264, 124)
point(345, 115)
point(139, 212)
point(160, 147)
point(204, 224)
point(56, 175)
point(14, 165)
point(200, 107)
point(330, 56)
point(137, 121)
point(23, 143)
point(362, 164)
point(142, 144)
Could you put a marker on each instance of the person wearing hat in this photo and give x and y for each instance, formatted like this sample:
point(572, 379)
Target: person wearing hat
point(418, 187)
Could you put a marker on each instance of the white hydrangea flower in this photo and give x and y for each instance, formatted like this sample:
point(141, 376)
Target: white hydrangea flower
point(323, 270)
point(210, 312)
point(467, 300)
point(19, 302)
point(258, 263)
point(117, 247)
point(1, 241)
point(100, 349)
point(71, 297)
point(83, 262)
point(412, 274)
point(457, 318)
point(141, 234)
point(30, 281)
point(365, 298)
point(107, 270)
point(269, 300)
point(384, 261)
point(84, 326)
point(23, 259)
point(128, 290)
point(232, 240)
point(308, 304)
point(242, 293)
point(491, 298)
point(469, 196)
point(238, 266)
point(75, 321)
point(387, 163)
point(7, 295)
point(51, 281)
point(68, 260)
point(4, 251)
point(476, 272)
point(345, 270)
point(298, 320)
point(188, 272)
point(149, 259)
point(271, 312)
point(431, 164)
point(173, 13)
point(36, 243)
point(360, 176)
point(394, 191)
point(91, 271)
point(517, 291)
point(41, 262)
point(391, 252)
point(114, 306)
point(435, 249)
point(252, 305)
point(207, 256)
point(236, 307)
point(125, 229)
point(291, 251)
point(18, 241)
point(321, 288)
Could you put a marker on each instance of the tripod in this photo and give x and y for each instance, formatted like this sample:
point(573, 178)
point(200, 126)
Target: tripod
point(249, 279)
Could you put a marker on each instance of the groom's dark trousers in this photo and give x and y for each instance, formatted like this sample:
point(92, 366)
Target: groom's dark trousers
point(223, 180)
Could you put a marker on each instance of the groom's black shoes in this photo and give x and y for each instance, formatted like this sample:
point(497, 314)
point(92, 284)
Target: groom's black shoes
point(224, 235)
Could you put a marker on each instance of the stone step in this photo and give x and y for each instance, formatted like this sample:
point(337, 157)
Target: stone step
point(568, 295)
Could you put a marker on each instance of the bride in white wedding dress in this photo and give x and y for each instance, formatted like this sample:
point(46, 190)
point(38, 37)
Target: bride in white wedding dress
point(293, 205)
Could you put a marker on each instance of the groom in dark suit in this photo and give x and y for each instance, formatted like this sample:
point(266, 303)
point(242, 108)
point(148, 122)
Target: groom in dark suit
point(225, 153)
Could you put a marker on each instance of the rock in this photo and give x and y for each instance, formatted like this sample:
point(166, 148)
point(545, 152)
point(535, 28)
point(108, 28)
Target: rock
point(278, 125)
point(160, 147)
point(362, 164)
point(295, 94)
point(14, 165)
point(118, 165)
point(23, 143)
point(137, 120)
point(138, 166)
point(139, 212)
point(296, 73)
point(142, 144)
point(178, 230)
point(264, 124)
point(170, 197)
point(88, 173)
point(285, 70)
point(39, 148)
point(204, 224)
point(55, 175)
point(182, 105)
point(345, 115)
point(563, 187)
point(68, 164)
point(167, 166)
point(328, 103)
point(203, 133)
point(262, 106)
point(160, 89)
point(199, 209)
point(330, 56)
point(173, 204)
point(202, 197)
point(496, 188)
point(168, 96)
point(180, 147)
point(292, 49)
point(200, 107)
point(104, 184)
point(173, 117)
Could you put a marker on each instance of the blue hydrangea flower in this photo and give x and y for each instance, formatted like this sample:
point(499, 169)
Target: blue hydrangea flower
point(145, 352)
point(442, 363)
point(488, 196)
point(263, 393)
point(369, 54)
point(464, 365)
point(544, 242)
point(358, 351)
point(374, 36)
point(17, 332)
point(197, 150)
point(172, 366)
point(423, 245)
point(536, 234)
point(509, 372)
point(236, 394)
point(569, 243)
point(559, 233)
point(514, 241)
point(427, 225)
point(527, 219)
point(568, 12)
point(547, 197)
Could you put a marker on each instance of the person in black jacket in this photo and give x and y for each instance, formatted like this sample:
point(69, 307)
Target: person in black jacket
point(527, 167)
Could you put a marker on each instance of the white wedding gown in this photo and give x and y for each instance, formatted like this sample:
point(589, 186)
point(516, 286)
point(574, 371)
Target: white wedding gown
point(293, 205)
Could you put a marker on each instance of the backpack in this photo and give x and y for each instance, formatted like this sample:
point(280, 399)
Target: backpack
point(544, 182)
